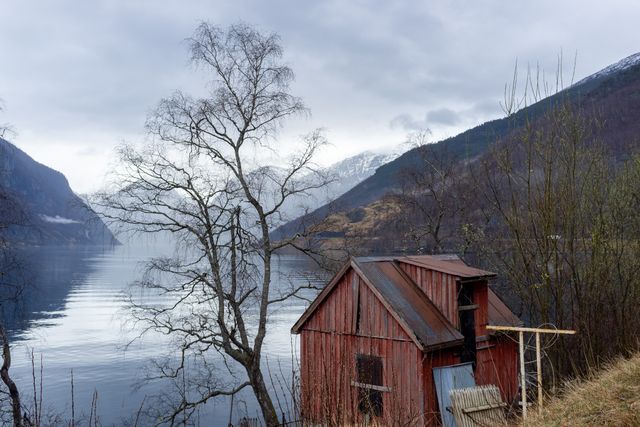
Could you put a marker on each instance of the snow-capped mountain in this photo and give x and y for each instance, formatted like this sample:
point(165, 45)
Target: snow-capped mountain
point(344, 175)
point(353, 170)
point(621, 65)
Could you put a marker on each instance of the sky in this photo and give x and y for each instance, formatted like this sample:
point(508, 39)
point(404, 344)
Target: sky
point(78, 78)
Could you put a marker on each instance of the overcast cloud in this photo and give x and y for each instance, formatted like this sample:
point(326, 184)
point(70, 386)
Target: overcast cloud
point(78, 77)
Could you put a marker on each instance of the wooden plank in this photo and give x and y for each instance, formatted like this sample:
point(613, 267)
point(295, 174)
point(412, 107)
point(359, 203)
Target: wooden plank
point(486, 347)
point(539, 372)
point(523, 380)
point(521, 329)
point(355, 283)
point(371, 386)
point(484, 407)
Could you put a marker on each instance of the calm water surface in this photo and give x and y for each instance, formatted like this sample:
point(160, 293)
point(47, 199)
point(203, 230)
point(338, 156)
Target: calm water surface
point(74, 318)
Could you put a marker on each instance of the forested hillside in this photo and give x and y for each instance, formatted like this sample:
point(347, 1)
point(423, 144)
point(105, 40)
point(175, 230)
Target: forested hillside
point(39, 207)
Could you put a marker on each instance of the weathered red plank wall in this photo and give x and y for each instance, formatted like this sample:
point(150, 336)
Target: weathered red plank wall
point(337, 312)
point(481, 299)
point(441, 288)
point(329, 345)
point(328, 394)
point(497, 364)
point(497, 356)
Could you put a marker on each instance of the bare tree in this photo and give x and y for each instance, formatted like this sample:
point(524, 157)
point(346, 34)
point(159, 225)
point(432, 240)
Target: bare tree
point(568, 232)
point(10, 288)
point(434, 194)
point(14, 394)
point(203, 179)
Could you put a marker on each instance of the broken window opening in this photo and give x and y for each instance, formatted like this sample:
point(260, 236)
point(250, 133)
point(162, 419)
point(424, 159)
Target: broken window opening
point(370, 386)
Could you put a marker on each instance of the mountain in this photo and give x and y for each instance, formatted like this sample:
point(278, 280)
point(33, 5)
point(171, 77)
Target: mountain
point(37, 206)
point(622, 65)
point(612, 93)
point(349, 172)
point(343, 175)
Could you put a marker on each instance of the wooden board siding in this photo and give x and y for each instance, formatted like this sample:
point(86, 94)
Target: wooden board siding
point(441, 288)
point(481, 314)
point(328, 367)
point(338, 312)
point(335, 314)
point(497, 363)
point(378, 315)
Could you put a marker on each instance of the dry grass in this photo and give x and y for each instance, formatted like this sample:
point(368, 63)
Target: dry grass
point(372, 217)
point(360, 231)
point(611, 397)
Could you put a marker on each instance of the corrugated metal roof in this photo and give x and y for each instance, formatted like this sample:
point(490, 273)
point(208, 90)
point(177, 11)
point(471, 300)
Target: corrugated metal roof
point(420, 315)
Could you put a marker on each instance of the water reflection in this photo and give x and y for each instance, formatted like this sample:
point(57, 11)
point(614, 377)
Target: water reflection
point(44, 277)
point(73, 317)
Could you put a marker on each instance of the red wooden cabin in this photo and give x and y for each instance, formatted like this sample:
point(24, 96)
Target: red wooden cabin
point(370, 340)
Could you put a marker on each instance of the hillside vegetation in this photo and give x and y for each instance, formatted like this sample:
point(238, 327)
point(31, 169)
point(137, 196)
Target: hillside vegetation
point(612, 95)
point(610, 397)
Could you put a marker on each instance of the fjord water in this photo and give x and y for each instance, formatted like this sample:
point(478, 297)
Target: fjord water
point(73, 316)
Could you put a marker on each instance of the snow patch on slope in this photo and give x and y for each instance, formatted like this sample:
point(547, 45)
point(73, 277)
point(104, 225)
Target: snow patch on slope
point(353, 170)
point(621, 65)
point(58, 220)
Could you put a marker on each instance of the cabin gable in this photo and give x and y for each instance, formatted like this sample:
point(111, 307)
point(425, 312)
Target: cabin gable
point(352, 308)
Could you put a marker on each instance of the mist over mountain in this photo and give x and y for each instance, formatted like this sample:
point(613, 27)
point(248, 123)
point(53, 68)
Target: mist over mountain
point(37, 206)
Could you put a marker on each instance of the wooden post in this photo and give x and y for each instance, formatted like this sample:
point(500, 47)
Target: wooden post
point(523, 379)
point(539, 372)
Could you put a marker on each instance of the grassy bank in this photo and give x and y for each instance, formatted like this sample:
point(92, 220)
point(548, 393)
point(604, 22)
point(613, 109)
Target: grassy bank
point(610, 397)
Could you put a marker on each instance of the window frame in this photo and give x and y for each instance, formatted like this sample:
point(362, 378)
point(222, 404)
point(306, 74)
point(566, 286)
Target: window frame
point(371, 392)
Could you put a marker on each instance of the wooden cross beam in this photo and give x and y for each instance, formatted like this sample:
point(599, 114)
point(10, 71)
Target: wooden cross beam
point(523, 383)
point(535, 330)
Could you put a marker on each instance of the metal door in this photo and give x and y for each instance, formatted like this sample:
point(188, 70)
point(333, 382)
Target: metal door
point(449, 378)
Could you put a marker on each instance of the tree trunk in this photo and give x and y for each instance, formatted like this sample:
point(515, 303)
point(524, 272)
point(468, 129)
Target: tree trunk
point(4, 373)
point(264, 399)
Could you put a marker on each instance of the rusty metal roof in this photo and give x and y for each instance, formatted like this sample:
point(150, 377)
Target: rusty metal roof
point(410, 305)
point(419, 314)
point(499, 313)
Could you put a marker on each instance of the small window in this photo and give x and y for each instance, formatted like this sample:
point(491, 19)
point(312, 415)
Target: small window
point(370, 387)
